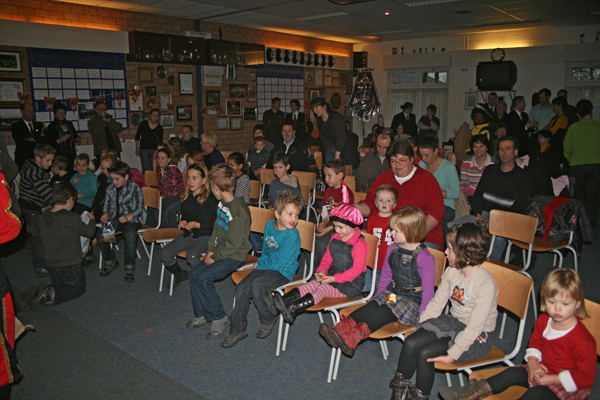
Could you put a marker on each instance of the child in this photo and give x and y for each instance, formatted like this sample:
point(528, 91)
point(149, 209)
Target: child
point(104, 180)
point(85, 182)
point(242, 172)
point(198, 216)
point(561, 357)
point(227, 251)
point(178, 153)
point(342, 271)
point(259, 130)
point(377, 225)
point(283, 180)
point(170, 184)
point(258, 158)
point(195, 158)
point(276, 267)
point(405, 289)
point(465, 333)
point(59, 170)
point(35, 194)
point(364, 149)
point(123, 206)
point(61, 230)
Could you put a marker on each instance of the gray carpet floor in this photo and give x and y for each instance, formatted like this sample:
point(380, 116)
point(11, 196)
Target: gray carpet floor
point(129, 341)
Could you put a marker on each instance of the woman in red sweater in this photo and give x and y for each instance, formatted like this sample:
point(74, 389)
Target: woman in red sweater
point(170, 184)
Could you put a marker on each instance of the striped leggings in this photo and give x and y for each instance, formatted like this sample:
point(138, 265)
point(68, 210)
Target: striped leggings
point(319, 290)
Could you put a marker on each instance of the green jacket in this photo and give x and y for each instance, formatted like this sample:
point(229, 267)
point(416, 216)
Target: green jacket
point(231, 234)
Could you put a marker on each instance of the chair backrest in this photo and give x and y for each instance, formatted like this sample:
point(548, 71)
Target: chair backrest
point(226, 154)
point(266, 176)
point(512, 226)
point(318, 156)
point(151, 178)
point(593, 322)
point(441, 152)
point(305, 194)
point(359, 196)
point(254, 189)
point(348, 170)
point(351, 182)
point(452, 158)
point(440, 264)
point(307, 234)
point(260, 217)
point(373, 242)
point(151, 197)
point(184, 176)
point(306, 178)
point(314, 149)
point(514, 288)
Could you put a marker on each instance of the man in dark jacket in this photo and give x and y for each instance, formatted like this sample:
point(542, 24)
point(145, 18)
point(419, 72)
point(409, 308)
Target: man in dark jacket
point(294, 148)
point(273, 120)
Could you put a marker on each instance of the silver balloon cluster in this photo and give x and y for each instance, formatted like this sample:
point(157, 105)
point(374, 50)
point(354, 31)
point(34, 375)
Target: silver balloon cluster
point(364, 101)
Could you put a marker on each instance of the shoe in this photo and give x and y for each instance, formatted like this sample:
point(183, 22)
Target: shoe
point(41, 272)
point(348, 338)
point(268, 298)
point(474, 390)
point(38, 295)
point(129, 272)
point(179, 274)
point(196, 322)
point(218, 328)
point(25, 298)
point(264, 330)
point(232, 340)
point(324, 330)
point(89, 259)
point(289, 309)
point(401, 387)
point(109, 266)
point(416, 394)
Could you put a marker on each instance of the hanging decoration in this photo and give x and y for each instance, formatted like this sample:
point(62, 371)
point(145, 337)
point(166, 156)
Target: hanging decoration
point(203, 112)
point(170, 108)
point(119, 98)
point(151, 102)
point(23, 97)
point(98, 99)
point(73, 102)
point(187, 112)
point(364, 101)
point(49, 103)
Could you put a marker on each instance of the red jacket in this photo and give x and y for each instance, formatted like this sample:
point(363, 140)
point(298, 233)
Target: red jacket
point(170, 183)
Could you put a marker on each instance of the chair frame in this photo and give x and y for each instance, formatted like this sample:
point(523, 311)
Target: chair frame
point(309, 179)
point(266, 177)
point(149, 193)
point(162, 237)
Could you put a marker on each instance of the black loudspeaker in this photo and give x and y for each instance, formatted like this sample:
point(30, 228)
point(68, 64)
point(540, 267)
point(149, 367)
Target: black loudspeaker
point(496, 75)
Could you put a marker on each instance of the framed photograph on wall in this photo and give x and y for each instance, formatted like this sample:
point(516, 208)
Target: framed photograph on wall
point(10, 61)
point(313, 94)
point(236, 123)
point(9, 116)
point(234, 107)
point(167, 121)
point(164, 99)
point(145, 74)
point(249, 114)
point(471, 100)
point(8, 91)
point(237, 90)
point(213, 97)
point(186, 83)
point(184, 113)
point(151, 90)
point(222, 123)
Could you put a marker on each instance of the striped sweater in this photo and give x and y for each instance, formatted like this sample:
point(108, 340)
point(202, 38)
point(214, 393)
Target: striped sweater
point(34, 190)
point(470, 174)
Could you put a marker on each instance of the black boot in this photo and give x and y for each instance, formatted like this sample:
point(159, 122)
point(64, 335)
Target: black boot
point(272, 298)
point(180, 274)
point(401, 387)
point(289, 310)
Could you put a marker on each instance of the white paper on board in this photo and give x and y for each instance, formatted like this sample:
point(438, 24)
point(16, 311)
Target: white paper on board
point(43, 116)
point(54, 83)
point(118, 74)
point(122, 122)
point(121, 113)
point(107, 84)
point(81, 73)
point(40, 94)
point(119, 84)
point(57, 94)
point(95, 84)
point(69, 93)
point(107, 73)
point(83, 125)
point(83, 94)
point(94, 73)
point(83, 84)
point(68, 84)
point(68, 73)
point(40, 84)
point(38, 72)
point(54, 73)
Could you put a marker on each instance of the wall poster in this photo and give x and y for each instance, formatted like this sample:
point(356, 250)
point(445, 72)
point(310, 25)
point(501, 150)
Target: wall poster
point(284, 82)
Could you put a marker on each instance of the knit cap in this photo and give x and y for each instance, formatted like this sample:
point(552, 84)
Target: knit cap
point(347, 214)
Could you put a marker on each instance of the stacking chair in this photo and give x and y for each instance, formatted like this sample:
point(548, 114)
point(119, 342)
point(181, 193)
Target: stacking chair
point(359, 196)
point(314, 149)
point(309, 179)
point(348, 170)
point(161, 237)
point(226, 154)
point(452, 158)
point(184, 177)
point(254, 192)
point(514, 289)
point(266, 178)
point(306, 196)
point(351, 182)
point(441, 152)
point(318, 156)
point(150, 177)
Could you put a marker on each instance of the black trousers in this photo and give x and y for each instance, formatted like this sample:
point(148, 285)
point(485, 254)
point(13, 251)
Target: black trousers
point(374, 315)
point(517, 376)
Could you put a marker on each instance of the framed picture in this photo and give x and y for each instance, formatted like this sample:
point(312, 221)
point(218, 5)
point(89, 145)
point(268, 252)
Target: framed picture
point(184, 113)
point(9, 116)
point(136, 100)
point(213, 97)
point(10, 61)
point(234, 107)
point(249, 114)
point(252, 76)
point(313, 94)
point(309, 76)
point(167, 121)
point(8, 91)
point(471, 100)
point(236, 123)
point(186, 83)
point(151, 90)
point(145, 74)
point(212, 111)
point(237, 90)
point(222, 123)
point(164, 99)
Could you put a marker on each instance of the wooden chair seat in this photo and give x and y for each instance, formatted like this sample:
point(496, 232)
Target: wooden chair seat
point(505, 265)
point(539, 244)
point(323, 304)
point(254, 200)
point(158, 235)
point(495, 355)
point(183, 254)
point(513, 392)
point(386, 332)
point(239, 276)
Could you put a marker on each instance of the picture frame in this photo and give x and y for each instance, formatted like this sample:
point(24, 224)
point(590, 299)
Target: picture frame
point(222, 123)
point(9, 116)
point(150, 90)
point(234, 107)
point(164, 99)
point(237, 90)
point(213, 97)
point(136, 103)
point(186, 83)
point(252, 76)
point(314, 93)
point(184, 113)
point(250, 114)
point(145, 74)
point(471, 100)
point(236, 123)
point(212, 111)
point(8, 91)
point(309, 76)
point(167, 121)
point(10, 61)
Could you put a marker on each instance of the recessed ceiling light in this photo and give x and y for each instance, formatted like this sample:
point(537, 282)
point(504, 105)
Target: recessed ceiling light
point(511, 22)
point(428, 2)
point(386, 13)
point(388, 32)
point(337, 14)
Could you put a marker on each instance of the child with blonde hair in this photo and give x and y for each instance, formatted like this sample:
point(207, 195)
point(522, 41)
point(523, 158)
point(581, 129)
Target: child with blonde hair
point(85, 182)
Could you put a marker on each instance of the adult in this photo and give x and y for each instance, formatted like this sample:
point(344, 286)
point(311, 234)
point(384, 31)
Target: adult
point(27, 133)
point(192, 143)
point(300, 121)
point(492, 103)
point(399, 134)
point(445, 174)
point(406, 118)
point(211, 155)
point(546, 154)
point(518, 124)
point(61, 135)
point(500, 115)
point(570, 110)
point(332, 129)
point(541, 114)
point(472, 167)
point(481, 123)
point(273, 120)
point(296, 149)
point(504, 187)
point(374, 163)
point(582, 150)
point(104, 130)
point(559, 124)
point(415, 186)
point(429, 124)
point(371, 138)
point(149, 134)
point(350, 154)
point(259, 130)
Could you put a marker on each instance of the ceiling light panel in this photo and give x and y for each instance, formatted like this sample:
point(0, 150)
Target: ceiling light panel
point(428, 3)
point(330, 15)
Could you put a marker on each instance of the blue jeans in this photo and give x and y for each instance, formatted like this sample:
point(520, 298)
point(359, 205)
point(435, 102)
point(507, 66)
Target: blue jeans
point(329, 155)
point(194, 248)
point(587, 188)
point(252, 288)
point(68, 282)
point(146, 158)
point(205, 300)
point(256, 239)
point(369, 279)
point(170, 207)
point(129, 232)
point(32, 219)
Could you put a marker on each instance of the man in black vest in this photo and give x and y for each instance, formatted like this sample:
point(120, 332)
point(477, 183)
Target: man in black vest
point(26, 133)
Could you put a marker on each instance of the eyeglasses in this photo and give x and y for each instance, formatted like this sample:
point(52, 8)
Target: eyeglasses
point(399, 161)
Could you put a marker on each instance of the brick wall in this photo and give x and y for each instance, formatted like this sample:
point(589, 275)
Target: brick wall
point(68, 14)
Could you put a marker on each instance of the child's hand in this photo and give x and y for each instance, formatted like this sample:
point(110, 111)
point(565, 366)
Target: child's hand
point(320, 275)
point(535, 368)
point(183, 224)
point(324, 231)
point(327, 279)
point(547, 380)
point(123, 220)
point(208, 259)
point(79, 195)
point(104, 218)
point(192, 225)
point(76, 181)
point(321, 226)
point(441, 359)
point(91, 215)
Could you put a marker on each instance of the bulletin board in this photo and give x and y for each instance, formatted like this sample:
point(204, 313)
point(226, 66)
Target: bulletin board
point(77, 79)
point(284, 82)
